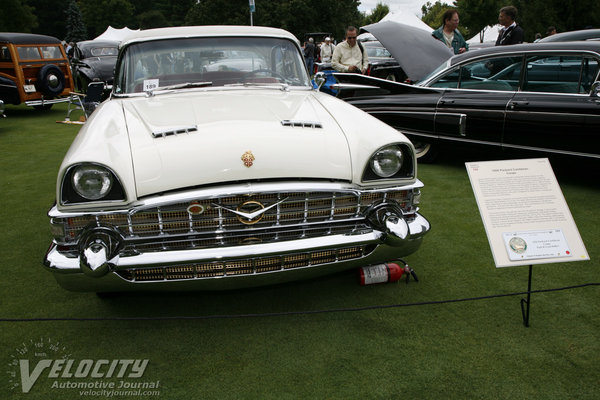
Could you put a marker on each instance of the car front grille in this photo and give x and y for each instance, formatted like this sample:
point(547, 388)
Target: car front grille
point(212, 222)
point(244, 267)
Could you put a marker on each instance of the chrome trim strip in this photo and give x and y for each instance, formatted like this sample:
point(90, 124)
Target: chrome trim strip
point(232, 190)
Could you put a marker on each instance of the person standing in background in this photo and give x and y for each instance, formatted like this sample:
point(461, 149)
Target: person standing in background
point(349, 56)
point(511, 33)
point(449, 34)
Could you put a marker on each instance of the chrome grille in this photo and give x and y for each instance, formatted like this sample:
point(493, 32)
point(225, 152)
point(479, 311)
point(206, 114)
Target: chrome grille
point(243, 267)
point(293, 215)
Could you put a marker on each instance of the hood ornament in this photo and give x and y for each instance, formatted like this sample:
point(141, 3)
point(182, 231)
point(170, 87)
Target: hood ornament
point(248, 158)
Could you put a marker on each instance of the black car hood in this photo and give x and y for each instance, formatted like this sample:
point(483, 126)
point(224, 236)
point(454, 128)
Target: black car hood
point(417, 52)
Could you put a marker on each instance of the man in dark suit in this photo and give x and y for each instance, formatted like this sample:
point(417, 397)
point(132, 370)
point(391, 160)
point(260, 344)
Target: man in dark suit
point(511, 33)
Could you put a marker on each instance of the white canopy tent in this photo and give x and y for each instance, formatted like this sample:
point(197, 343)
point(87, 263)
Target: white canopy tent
point(115, 34)
point(487, 34)
point(403, 17)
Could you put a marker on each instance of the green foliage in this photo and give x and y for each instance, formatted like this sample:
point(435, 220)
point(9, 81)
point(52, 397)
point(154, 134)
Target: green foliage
point(432, 13)
point(99, 14)
point(380, 11)
point(296, 16)
point(50, 17)
point(75, 27)
point(17, 16)
point(152, 19)
point(477, 14)
point(536, 15)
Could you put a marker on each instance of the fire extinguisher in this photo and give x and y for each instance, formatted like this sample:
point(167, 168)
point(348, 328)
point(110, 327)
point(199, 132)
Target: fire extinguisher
point(382, 273)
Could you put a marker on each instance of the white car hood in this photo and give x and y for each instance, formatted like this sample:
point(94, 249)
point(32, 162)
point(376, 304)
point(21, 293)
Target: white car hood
point(194, 138)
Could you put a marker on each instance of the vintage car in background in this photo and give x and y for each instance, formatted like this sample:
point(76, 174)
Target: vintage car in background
point(34, 70)
point(381, 62)
point(93, 61)
point(543, 97)
point(214, 179)
point(572, 36)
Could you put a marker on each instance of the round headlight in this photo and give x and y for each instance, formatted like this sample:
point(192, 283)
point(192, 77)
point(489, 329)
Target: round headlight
point(92, 182)
point(387, 161)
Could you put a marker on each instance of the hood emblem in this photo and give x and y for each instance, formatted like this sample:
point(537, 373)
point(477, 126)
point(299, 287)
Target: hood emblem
point(249, 212)
point(248, 158)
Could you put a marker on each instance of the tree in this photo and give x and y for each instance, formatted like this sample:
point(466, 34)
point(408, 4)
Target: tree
point(75, 27)
point(50, 17)
point(99, 14)
point(380, 11)
point(152, 19)
point(478, 14)
point(432, 13)
point(17, 16)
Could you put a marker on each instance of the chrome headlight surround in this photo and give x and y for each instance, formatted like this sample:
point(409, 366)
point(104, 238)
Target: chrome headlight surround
point(393, 161)
point(90, 182)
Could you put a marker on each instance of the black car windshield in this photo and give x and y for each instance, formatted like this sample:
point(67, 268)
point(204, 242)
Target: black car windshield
point(220, 61)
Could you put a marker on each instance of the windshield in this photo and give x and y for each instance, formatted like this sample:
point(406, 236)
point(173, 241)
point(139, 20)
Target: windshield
point(215, 61)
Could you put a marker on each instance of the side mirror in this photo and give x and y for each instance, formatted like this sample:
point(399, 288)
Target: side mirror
point(595, 91)
point(320, 79)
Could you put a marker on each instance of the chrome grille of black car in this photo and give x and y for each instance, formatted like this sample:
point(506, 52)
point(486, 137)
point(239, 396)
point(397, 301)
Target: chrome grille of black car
point(205, 223)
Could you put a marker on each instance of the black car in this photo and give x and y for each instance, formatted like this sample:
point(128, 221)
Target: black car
point(94, 60)
point(381, 62)
point(543, 97)
point(571, 36)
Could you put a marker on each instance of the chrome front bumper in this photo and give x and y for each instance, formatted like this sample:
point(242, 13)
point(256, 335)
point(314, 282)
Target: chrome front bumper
point(100, 257)
point(386, 245)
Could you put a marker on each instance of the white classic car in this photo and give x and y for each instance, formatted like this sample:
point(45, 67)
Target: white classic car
point(195, 177)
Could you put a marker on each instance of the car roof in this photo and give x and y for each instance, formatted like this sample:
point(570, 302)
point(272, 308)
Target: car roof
point(97, 43)
point(205, 31)
point(520, 48)
point(583, 34)
point(27, 38)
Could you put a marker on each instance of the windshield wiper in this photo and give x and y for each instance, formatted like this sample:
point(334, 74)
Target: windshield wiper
point(282, 86)
point(178, 86)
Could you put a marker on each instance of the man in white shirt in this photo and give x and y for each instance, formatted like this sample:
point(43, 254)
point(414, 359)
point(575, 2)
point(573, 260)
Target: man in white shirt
point(327, 50)
point(349, 56)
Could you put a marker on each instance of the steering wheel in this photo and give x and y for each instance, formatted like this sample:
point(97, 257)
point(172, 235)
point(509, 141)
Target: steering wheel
point(270, 72)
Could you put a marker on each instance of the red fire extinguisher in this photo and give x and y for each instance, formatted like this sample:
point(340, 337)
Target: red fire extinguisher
point(382, 273)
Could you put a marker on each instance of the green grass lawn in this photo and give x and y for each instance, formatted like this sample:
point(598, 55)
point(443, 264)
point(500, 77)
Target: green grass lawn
point(461, 350)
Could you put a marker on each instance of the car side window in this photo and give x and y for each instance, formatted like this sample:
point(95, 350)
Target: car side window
point(5, 54)
point(498, 73)
point(559, 74)
point(28, 53)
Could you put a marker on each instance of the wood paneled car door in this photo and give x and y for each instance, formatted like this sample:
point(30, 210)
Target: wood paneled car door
point(474, 106)
point(555, 112)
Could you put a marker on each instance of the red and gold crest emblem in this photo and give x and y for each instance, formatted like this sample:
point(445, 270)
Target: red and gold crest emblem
point(248, 158)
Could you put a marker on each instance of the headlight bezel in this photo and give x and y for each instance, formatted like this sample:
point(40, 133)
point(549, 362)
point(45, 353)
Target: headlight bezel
point(405, 171)
point(70, 195)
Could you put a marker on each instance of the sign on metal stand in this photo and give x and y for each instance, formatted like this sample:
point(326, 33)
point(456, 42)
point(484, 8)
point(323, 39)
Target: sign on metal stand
point(525, 215)
point(252, 10)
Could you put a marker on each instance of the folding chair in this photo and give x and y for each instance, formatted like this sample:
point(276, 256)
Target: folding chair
point(86, 102)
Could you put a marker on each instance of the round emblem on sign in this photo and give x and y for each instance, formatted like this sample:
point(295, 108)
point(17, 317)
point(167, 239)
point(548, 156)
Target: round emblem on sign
point(518, 245)
point(250, 207)
point(248, 158)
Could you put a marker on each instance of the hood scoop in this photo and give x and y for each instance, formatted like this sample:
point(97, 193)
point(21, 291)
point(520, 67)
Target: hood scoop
point(174, 131)
point(302, 124)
